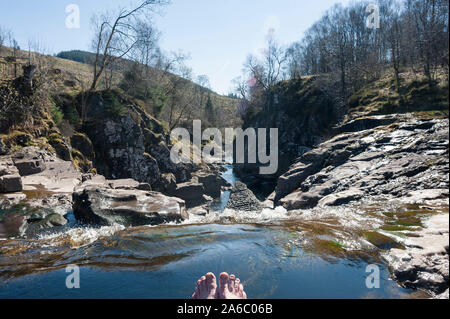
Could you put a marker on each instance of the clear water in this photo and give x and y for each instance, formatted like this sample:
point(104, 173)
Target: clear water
point(166, 261)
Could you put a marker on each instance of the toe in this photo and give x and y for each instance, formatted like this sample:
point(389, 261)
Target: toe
point(211, 280)
point(223, 281)
point(237, 284)
point(232, 283)
point(196, 293)
point(203, 282)
point(242, 292)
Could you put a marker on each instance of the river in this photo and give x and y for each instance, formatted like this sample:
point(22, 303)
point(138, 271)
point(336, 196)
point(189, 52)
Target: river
point(274, 255)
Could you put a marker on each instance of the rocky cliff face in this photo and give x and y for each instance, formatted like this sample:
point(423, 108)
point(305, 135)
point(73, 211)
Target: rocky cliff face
point(303, 115)
point(127, 142)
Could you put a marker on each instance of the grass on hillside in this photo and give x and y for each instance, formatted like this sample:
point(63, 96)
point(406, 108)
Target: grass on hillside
point(416, 94)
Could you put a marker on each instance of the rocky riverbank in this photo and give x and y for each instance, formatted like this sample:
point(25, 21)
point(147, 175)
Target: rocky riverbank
point(384, 159)
point(38, 189)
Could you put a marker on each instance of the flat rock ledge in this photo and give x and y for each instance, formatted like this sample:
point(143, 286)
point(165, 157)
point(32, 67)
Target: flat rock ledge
point(425, 262)
point(103, 205)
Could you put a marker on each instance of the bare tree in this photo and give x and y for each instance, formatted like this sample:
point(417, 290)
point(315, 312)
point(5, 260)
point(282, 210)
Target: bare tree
point(268, 70)
point(394, 37)
point(116, 35)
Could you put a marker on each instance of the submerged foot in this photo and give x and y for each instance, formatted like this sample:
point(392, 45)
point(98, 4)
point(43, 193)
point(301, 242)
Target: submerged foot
point(230, 287)
point(206, 287)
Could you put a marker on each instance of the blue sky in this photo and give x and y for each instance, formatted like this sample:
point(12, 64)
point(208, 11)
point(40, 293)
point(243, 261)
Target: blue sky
point(218, 34)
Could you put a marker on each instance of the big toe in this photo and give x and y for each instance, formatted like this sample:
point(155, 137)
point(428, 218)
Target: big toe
point(211, 280)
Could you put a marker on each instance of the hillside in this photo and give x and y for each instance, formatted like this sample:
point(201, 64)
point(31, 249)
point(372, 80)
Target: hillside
point(72, 76)
point(225, 107)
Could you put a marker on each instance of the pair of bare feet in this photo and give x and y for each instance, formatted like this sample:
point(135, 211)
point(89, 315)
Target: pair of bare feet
point(229, 287)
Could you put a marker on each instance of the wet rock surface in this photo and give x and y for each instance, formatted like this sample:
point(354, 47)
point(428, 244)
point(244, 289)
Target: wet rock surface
point(398, 160)
point(102, 205)
point(425, 264)
point(43, 193)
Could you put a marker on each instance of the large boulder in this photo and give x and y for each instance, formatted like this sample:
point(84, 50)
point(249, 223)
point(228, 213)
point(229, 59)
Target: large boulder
point(212, 183)
point(101, 205)
point(241, 198)
point(10, 180)
point(189, 191)
point(29, 161)
point(10, 183)
point(120, 150)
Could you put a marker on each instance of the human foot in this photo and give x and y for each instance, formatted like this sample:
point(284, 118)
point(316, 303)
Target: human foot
point(206, 287)
point(230, 287)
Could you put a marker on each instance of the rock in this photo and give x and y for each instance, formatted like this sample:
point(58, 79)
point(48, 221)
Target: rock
point(82, 143)
point(53, 174)
point(241, 198)
point(29, 167)
point(61, 149)
point(101, 205)
point(29, 160)
point(144, 187)
point(341, 198)
point(191, 192)
point(120, 150)
point(443, 295)
point(10, 180)
point(299, 200)
point(425, 263)
point(10, 199)
point(199, 211)
point(212, 183)
point(12, 224)
point(428, 194)
point(167, 184)
point(10, 183)
point(127, 183)
point(3, 148)
point(408, 160)
point(366, 123)
point(55, 220)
